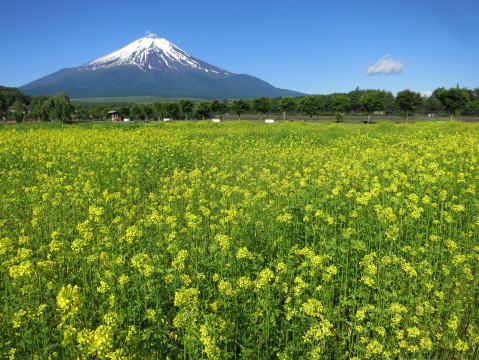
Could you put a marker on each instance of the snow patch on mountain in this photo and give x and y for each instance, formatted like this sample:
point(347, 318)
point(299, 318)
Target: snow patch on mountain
point(152, 53)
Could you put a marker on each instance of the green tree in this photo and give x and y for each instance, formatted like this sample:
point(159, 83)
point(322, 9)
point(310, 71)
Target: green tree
point(239, 107)
point(339, 103)
point(38, 101)
point(203, 109)
point(19, 109)
point(42, 110)
point(472, 107)
point(136, 112)
point(432, 105)
point(372, 101)
point(311, 105)
point(9, 95)
point(61, 109)
point(262, 105)
point(454, 100)
point(80, 113)
point(124, 111)
point(217, 107)
point(408, 101)
point(98, 112)
point(354, 96)
point(185, 106)
point(148, 112)
point(390, 106)
point(159, 110)
point(474, 95)
point(172, 110)
point(286, 104)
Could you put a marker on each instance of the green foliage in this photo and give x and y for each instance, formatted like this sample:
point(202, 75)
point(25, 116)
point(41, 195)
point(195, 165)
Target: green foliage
point(61, 109)
point(124, 100)
point(172, 110)
point(329, 105)
point(186, 107)
point(98, 112)
point(340, 102)
point(432, 105)
point(338, 116)
point(311, 105)
point(136, 113)
point(37, 101)
point(262, 105)
point(286, 104)
point(473, 107)
point(408, 101)
point(148, 111)
point(19, 109)
point(203, 109)
point(56, 108)
point(159, 110)
point(355, 95)
point(9, 95)
point(239, 107)
point(218, 107)
point(125, 111)
point(40, 107)
point(81, 113)
point(373, 101)
point(453, 99)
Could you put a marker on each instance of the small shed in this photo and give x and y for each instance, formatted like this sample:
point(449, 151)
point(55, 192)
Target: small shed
point(115, 116)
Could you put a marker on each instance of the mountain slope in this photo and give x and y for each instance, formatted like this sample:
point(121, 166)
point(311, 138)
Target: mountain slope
point(156, 67)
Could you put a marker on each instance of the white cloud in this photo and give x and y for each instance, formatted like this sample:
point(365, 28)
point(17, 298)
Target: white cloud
point(426, 93)
point(386, 65)
point(150, 34)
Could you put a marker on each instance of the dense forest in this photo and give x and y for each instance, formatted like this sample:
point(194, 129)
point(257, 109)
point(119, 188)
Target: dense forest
point(442, 102)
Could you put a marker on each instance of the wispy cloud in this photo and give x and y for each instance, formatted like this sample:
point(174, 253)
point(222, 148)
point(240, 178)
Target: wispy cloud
point(150, 34)
point(386, 66)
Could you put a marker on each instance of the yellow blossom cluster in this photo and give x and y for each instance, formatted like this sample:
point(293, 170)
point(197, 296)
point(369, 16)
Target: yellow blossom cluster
point(199, 241)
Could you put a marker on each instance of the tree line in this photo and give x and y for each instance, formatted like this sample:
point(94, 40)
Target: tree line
point(442, 102)
point(14, 104)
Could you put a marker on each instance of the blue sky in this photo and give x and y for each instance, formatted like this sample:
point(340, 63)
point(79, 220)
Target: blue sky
point(316, 47)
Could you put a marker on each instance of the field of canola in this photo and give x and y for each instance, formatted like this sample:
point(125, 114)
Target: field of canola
point(239, 241)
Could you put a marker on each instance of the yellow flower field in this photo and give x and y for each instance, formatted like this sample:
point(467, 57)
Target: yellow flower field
point(239, 241)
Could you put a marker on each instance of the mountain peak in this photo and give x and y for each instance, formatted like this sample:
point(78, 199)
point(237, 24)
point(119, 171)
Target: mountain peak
point(155, 41)
point(151, 52)
point(152, 66)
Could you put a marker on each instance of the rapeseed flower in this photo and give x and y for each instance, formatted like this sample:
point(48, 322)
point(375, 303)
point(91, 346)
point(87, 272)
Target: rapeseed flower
point(191, 240)
point(68, 299)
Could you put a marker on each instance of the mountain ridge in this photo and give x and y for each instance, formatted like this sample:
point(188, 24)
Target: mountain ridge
point(152, 66)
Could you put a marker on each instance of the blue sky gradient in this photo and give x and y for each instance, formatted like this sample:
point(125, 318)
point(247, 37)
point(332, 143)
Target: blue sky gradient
point(316, 47)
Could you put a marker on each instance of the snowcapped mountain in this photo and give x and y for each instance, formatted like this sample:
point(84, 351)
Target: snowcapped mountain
point(152, 66)
point(150, 53)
